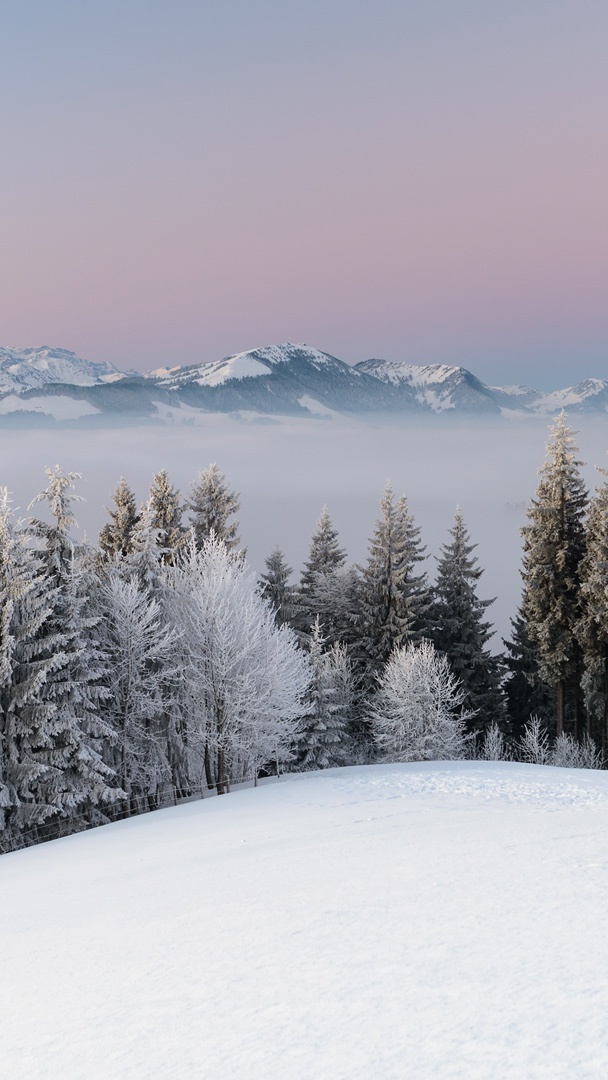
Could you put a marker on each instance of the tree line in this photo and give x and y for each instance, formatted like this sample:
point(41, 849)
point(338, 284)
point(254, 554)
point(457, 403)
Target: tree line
point(156, 661)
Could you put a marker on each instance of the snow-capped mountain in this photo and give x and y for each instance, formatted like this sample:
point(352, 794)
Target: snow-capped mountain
point(28, 369)
point(46, 385)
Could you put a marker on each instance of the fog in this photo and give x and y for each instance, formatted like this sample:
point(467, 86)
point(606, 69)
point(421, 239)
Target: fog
point(286, 470)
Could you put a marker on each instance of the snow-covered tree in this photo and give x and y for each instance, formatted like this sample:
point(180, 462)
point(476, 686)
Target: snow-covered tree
point(416, 713)
point(554, 542)
point(139, 647)
point(212, 505)
point(68, 727)
point(393, 597)
point(247, 677)
point(116, 536)
point(324, 740)
point(276, 588)
point(325, 559)
point(460, 630)
point(568, 753)
point(533, 747)
point(592, 626)
point(494, 747)
point(164, 517)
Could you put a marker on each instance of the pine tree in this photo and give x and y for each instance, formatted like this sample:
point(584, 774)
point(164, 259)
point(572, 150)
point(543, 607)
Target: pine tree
point(165, 516)
point(69, 731)
point(117, 536)
point(325, 559)
point(460, 631)
point(525, 693)
point(324, 739)
point(276, 589)
point(212, 504)
point(554, 542)
point(592, 626)
point(393, 598)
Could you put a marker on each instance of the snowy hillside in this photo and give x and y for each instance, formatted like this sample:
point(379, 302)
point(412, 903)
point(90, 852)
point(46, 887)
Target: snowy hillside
point(28, 369)
point(436, 387)
point(437, 920)
point(244, 365)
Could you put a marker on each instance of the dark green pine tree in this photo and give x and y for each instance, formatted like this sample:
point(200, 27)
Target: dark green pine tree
point(212, 505)
point(324, 740)
point(164, 517)
point(461, 632)
point(325, 560)
point(276, 589)
point(393, 597)
point(526, 695)
point(592, 626)
point(554, 544)
point(117, 535)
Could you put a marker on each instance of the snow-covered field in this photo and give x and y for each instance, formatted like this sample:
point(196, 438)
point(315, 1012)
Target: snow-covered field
point(434, 920)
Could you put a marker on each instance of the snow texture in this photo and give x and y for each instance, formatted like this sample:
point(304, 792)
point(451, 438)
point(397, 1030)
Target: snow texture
point(387, 922)
point(25, 369)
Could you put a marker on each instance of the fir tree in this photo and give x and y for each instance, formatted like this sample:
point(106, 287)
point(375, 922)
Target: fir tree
point(525, 693)
point(276, 589)
point(324, 740)
point(592, 626)
point(554, 542)
point(117, 536)
point(393, 598)
point(165, 516)
point(325, 559)
point(212, 504)
point(460, 631)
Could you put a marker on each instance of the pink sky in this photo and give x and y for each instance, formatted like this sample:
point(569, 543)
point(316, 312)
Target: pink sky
point(427, 184)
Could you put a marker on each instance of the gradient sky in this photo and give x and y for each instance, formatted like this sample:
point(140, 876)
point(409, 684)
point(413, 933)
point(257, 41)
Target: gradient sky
point(423, 181)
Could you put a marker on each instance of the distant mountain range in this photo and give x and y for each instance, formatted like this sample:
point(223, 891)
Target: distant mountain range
point(42, 386)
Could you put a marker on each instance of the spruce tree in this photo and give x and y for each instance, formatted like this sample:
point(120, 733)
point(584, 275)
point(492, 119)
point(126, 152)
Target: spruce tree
point(117, 535)
point(554, 542)
point(276, 589)
point(592, 626)
point(212, 504)
point(324, 741)
point(525, 693)
point(393, 598)
point(165, 517)
point(460, 631)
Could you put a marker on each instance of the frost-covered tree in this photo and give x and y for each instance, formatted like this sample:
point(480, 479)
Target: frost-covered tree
point(416, 713)
point(592, 626)
point(324, 740)
point(325, 559)
point(554, 543)
point(139, 647)
point(117, 535)
point(494, 747)
point(212, 505)
point(69, 729)
point(460, 630)
point(164, 516)
point(393, 596)
point(533, 747)
point(247, 678)
point(276, 588)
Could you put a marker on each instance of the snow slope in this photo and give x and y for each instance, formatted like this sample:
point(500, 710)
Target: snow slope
point(439, 920)
point(241, 365)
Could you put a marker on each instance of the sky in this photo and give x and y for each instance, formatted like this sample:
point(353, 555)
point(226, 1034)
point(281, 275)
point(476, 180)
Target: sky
point(422, 182)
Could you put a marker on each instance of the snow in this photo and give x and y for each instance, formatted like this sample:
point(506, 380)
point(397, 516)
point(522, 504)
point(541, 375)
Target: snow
point(22, 369)
point(240, 366)
point(58, 406)
point(426, 920)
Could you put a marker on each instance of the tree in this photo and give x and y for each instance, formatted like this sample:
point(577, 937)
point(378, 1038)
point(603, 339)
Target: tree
point(276, 589)
point(554, 542)
point(393, 598)
point(592, 625)
point(165, 516)
point(247, 678)
point(212, 504)
point(416, 713)
point(324, 739)
point(525, 693)
point(140, 655)
point(117, 535)
point(325, 559)
point(460, 631)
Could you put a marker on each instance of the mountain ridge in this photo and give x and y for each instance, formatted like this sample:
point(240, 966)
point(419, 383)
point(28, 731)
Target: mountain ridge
point(55, 385)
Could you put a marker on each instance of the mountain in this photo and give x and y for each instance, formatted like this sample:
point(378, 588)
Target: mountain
point(49, 386)
point(26, 369)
